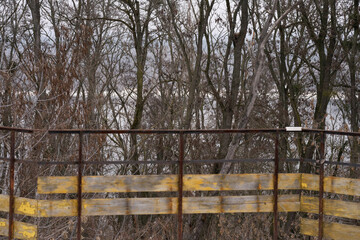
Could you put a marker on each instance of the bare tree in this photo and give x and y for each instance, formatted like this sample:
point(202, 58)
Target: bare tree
point(325, 43)
point(228, 104)
point(349, 41)
point(258, 70)
point(193, 69)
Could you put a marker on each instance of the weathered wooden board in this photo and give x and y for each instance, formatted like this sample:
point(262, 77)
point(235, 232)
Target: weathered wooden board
point(24, 206)
point(226, 182)
point(58, 208)
point(34, 208)
point(337, 208)
point(211, 182)
point(21, 230)
point(122, 206)
point(335, 231)
point(138, 206)
point(129, 206)
point(144, 206)
point(191, 205)
point(162, 183)
point(347, 186)
point(237, 204)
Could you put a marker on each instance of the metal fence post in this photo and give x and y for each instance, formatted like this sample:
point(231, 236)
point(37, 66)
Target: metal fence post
point(12, 185)
point(79, 193)
point(180, 186)
point(321, 184)
point(275, 181)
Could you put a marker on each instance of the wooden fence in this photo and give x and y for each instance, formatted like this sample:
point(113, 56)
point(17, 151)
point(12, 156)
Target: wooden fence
point(267, 187)
point(191, 205)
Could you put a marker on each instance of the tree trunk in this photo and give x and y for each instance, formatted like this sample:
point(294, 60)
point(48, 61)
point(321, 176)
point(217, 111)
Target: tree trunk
point(354, 101)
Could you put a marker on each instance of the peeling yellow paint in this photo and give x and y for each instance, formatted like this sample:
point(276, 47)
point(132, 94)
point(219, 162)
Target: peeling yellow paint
point(49, 184)
point(331, 230)
point(26, 208)
point(21, 230)
point(156, 183)
point(27, 231)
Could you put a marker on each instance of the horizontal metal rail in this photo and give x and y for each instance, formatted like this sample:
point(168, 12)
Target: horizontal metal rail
point(14, 129)
point(205, 161)
point(176, 131)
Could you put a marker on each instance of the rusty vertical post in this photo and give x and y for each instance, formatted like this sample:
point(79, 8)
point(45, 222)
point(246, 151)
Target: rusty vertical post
point(275, 182)
point(12, 185)
point(180, 186)
point(321, 184)
point(79, 193)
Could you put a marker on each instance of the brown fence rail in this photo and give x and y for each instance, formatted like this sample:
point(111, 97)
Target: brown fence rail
point(180, 183)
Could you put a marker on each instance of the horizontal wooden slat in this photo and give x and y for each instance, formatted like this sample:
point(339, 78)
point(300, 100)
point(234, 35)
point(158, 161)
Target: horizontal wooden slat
point(24, 206)
point(337, 208)
point(331, 230)
point(162, 183)
point(58, 208)
point(21, 230)
point(260, 203)
point(128, 206)
point(191, 205)
point(237, 204)
point(221, 182)
point(211, 182)
point(35, 208)
point(347, 186)
point(166, 205)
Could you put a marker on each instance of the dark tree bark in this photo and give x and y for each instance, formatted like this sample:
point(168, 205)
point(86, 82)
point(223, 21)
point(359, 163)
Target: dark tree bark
point(325, 43)
point(354, 79)
point(193, 70)
point(40, 113)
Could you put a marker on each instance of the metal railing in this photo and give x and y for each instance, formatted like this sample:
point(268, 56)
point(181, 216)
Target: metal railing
point(181, 133)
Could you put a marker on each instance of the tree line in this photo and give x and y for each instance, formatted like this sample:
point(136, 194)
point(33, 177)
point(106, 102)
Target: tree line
point(165, 64)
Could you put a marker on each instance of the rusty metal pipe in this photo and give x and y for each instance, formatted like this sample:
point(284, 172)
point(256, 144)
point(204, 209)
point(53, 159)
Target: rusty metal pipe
point(175, 131)
point(200, 161)
point(180, 186)
point(79, 193)
point(12, 185)
point(321, 185)
point(163, 131)
point(14, 129)
point(276, 177)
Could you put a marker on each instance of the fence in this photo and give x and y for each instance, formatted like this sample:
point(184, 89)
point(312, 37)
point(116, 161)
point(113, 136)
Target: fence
point(181, 183)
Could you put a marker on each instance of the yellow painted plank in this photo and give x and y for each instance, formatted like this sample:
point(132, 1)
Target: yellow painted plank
point(24, 206)
point(39, 208)
point(4, 203)
point(163, 183)
point(129, 206)
point(21, 230)
point(57, 208)
point(221, 182)
point(237, 204)
point(347, 186)
point(191, 205)
point(138, 206)
point(334, 231)
point(93, 184)
point(46, 185)
point(337, 208)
